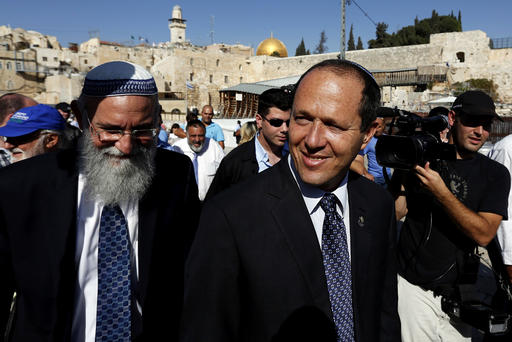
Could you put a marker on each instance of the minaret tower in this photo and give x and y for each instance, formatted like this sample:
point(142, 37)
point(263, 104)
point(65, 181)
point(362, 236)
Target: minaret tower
point(177, 26)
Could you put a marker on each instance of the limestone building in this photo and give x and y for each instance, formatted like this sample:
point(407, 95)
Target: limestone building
point(191, 76)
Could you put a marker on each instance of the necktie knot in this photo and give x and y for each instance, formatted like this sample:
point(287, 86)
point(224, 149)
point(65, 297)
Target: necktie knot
point(328, 203)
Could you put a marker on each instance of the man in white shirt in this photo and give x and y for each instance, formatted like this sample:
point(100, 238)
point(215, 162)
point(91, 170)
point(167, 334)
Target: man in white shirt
point(502, 153)
point(205, 153)
point(94, 240)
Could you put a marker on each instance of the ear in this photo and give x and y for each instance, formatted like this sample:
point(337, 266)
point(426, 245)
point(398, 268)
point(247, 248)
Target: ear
point(51, 141)
point(368, 134)
point(78, 113)
point(451, 117)
point(259, 120)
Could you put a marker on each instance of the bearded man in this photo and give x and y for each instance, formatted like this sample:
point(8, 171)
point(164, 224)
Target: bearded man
point(205, 153)
point(93, 240)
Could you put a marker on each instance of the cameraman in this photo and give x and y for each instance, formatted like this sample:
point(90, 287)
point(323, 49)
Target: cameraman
point(449, 212)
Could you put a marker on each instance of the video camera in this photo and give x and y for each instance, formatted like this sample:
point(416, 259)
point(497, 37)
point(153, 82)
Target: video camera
point(493, 318)
point(415, 142)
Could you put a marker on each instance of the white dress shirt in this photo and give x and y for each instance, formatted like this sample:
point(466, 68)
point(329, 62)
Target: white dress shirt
point(502, 153)
point(312, 197)
point(208, 161)
point(86, 259)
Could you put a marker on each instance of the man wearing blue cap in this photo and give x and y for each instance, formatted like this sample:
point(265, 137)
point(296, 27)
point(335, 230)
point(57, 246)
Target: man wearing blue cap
point(32, 131)
point(9, 104)
point(93, 240)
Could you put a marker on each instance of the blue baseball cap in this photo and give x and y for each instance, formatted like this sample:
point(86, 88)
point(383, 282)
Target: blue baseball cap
point(31, 119)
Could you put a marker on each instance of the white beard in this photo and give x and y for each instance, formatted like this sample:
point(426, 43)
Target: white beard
point(17, 154)
point(114, 180)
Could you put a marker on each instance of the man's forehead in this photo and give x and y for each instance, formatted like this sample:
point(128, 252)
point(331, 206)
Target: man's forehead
point(196, 130)
point(325, 78)
point(93, 102)
point(278, 112)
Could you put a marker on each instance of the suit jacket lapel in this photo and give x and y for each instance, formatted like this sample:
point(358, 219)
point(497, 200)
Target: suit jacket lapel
point(360, 242)
point(294, 222)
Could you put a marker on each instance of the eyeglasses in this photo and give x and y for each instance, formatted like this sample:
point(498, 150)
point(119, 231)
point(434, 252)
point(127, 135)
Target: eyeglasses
point(277, 122)
point(112, 135)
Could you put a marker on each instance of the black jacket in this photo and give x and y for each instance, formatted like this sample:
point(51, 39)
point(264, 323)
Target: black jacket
point(38, 206)
point(255, 270)
point(239, 165)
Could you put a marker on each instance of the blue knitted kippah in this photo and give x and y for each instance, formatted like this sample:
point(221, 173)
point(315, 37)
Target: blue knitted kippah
point(119, 78)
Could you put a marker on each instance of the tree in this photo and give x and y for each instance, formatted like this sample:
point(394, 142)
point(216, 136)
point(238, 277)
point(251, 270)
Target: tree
point(321, 48)
point(301, 49)
point(383, 38)
point(351, 44)
point(419, 33)
point(275, 54)
point(359, 44)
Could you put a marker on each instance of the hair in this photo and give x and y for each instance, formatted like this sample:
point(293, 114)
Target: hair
point(191, 116)
point(66, 137)
point(275, 97)
point(438, 111)
point(175, 125)
point(196, 123)
point(370, 100)
point(12, 102)
point(64, 106)
point(248, 131)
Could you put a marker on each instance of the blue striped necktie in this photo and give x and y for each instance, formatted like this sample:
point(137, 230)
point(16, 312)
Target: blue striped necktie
point(113, 317)
point(337, 268)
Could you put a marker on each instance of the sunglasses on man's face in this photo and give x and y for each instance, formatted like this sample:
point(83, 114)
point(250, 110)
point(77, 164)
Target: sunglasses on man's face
point(476, 121)
point(277, 122)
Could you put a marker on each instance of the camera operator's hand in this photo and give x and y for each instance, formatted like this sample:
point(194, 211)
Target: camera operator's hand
point(480, 226)
point(431, 180)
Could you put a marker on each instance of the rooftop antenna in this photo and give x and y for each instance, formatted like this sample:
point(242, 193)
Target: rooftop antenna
point(212, 24)
point(95, 33)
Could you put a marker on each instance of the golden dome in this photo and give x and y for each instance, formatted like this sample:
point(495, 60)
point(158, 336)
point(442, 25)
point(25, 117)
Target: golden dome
point(272, 47)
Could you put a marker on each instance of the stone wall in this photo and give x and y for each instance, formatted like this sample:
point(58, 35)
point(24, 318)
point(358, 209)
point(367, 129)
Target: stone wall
point(464, 55)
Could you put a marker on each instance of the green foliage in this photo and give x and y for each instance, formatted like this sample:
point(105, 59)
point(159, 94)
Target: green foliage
point(483, 84)
point(359, 44)
point(275, 54)
point(301, 49)
point(351, 45)
point(419, 33)
point(321, 48)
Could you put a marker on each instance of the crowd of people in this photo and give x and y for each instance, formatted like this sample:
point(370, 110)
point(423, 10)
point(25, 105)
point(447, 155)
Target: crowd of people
point(113, 228)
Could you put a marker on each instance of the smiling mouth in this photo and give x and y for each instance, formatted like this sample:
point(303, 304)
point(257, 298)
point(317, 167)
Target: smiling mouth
point(313, 160)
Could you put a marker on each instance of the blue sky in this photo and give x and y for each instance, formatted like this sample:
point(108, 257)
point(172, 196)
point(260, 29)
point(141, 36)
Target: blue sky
point(241, 21)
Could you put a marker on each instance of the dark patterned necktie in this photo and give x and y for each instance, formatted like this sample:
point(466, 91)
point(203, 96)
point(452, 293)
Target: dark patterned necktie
point(337, 268)
point(114, 293)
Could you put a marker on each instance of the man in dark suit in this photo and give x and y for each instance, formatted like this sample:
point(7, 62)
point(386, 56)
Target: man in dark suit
point(305, 251)
point(267, 147)
point(93, 240)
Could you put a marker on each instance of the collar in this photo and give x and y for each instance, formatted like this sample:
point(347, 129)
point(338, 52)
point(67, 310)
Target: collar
point(261, 154)
point(312, 195)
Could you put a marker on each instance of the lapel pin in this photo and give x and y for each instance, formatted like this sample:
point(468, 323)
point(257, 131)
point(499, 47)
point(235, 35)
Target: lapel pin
point(360, 221)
